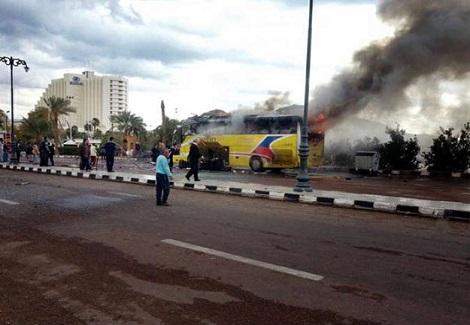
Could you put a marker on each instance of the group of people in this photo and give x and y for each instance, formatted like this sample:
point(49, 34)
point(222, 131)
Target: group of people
point(163, 171)
point(89, 154)
point(46, 152)
point(40, 154)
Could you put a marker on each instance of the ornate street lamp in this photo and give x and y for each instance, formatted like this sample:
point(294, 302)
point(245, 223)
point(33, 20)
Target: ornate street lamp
point(303, 180)
point(13, 62)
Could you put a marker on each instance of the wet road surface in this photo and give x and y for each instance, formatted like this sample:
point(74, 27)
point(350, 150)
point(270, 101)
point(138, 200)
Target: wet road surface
point(76, 251)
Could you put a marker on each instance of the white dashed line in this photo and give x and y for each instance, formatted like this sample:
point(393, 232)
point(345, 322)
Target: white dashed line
point(245, 260)
point(8, 202)
point(124, 194)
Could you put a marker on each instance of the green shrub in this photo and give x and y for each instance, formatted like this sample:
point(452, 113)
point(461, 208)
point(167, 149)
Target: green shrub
point(69, 151)
point(450, 153)
point(398, 153)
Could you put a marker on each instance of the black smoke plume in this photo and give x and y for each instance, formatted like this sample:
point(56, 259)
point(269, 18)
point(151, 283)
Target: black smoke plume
point(432, 40)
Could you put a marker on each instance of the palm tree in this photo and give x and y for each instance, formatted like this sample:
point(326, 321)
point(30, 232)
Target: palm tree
point(56, 107)
point(128, 123)
point(95, 123)
point(35, 126)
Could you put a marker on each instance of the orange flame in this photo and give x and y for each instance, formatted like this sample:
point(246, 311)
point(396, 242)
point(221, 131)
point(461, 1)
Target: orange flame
point(319, 123)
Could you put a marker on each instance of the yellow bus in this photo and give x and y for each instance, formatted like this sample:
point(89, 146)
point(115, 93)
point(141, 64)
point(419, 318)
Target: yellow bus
point(260, 142)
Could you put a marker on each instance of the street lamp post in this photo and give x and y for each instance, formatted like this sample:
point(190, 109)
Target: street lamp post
point(13, 62)
point(303, 180)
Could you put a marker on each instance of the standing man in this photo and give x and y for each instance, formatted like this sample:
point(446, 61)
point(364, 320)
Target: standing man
point(193, 159)
point(84, 150)
point(163, 178)
point(19, 148)
point(93, 157)
point(29, 152)
point(51, 153)
point(44, 152)
point(110, 149)
point(1, 149)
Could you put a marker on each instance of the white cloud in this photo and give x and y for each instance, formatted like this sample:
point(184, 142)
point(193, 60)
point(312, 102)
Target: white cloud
point(197, 55)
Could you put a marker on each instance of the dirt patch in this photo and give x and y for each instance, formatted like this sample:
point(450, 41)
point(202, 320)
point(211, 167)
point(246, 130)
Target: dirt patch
point(47, 279)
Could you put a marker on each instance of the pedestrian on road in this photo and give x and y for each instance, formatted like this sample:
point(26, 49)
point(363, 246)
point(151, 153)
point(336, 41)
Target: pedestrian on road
point(110, 149)
point(29, 152)
point(163, 178)
point(155, 153)
point(35, 154)
point(84, 151)
point(193, 159)
point(1, 149)
point(44, 152)
point(51, 153)
point(19, 148)
point(93, 156)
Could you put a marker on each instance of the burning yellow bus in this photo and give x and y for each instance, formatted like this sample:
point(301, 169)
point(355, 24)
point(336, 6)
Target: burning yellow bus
point(260, 142)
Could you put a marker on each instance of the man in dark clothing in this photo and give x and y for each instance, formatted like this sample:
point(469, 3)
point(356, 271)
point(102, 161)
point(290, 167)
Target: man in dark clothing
point(19, 148)
point(51, 153)
point(193, 159)
point(155, 153)
point(110, 149)
point(84, 151)
point(29, 152)
point(44, 152)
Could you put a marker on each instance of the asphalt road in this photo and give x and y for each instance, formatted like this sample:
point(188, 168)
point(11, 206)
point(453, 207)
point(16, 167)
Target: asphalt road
point(76, 251)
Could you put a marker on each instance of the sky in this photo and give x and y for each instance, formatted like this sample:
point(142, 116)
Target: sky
point(196, 55)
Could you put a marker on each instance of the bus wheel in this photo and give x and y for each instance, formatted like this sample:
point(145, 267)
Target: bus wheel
point(256, 164)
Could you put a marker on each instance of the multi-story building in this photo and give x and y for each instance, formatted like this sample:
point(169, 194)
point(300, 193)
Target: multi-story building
point(92, 96)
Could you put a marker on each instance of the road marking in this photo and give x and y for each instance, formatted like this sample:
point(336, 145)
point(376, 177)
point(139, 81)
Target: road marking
point(9, 202)
point(125, 194)
point(245, 260)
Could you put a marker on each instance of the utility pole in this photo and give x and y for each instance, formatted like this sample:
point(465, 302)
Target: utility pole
point(303, 180)
point(13, 62)
point(162, 105)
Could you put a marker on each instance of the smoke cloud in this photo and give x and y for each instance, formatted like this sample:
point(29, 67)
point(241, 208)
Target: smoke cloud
point(432, 40)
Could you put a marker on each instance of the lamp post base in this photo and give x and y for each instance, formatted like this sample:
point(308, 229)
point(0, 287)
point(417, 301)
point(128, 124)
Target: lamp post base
point(303, 183)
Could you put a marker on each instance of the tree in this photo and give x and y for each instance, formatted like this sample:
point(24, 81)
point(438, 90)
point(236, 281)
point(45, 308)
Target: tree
point(171, 126)
point(450, 153)
point(87, 127)
point(128, 123)
point(34, 127)
point(3, 120)
point(57, 107)
point(398, 153)
point(95, 123)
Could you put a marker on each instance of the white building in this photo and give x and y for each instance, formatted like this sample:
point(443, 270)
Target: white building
point(92, 96)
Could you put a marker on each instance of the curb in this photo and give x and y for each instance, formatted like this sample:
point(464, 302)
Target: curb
point(426, 173)
point(410, 210)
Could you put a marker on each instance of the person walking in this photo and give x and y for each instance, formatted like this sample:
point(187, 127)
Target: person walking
point(193, 159)
point(163, 178)
point(110, 149)
point(29, 152)
point(51, 153)
point(19, 148)
point(1, 149)
point(84, 151)
point(93, 156)
point(155, 153)
point(44, 152)
point(35, 153)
